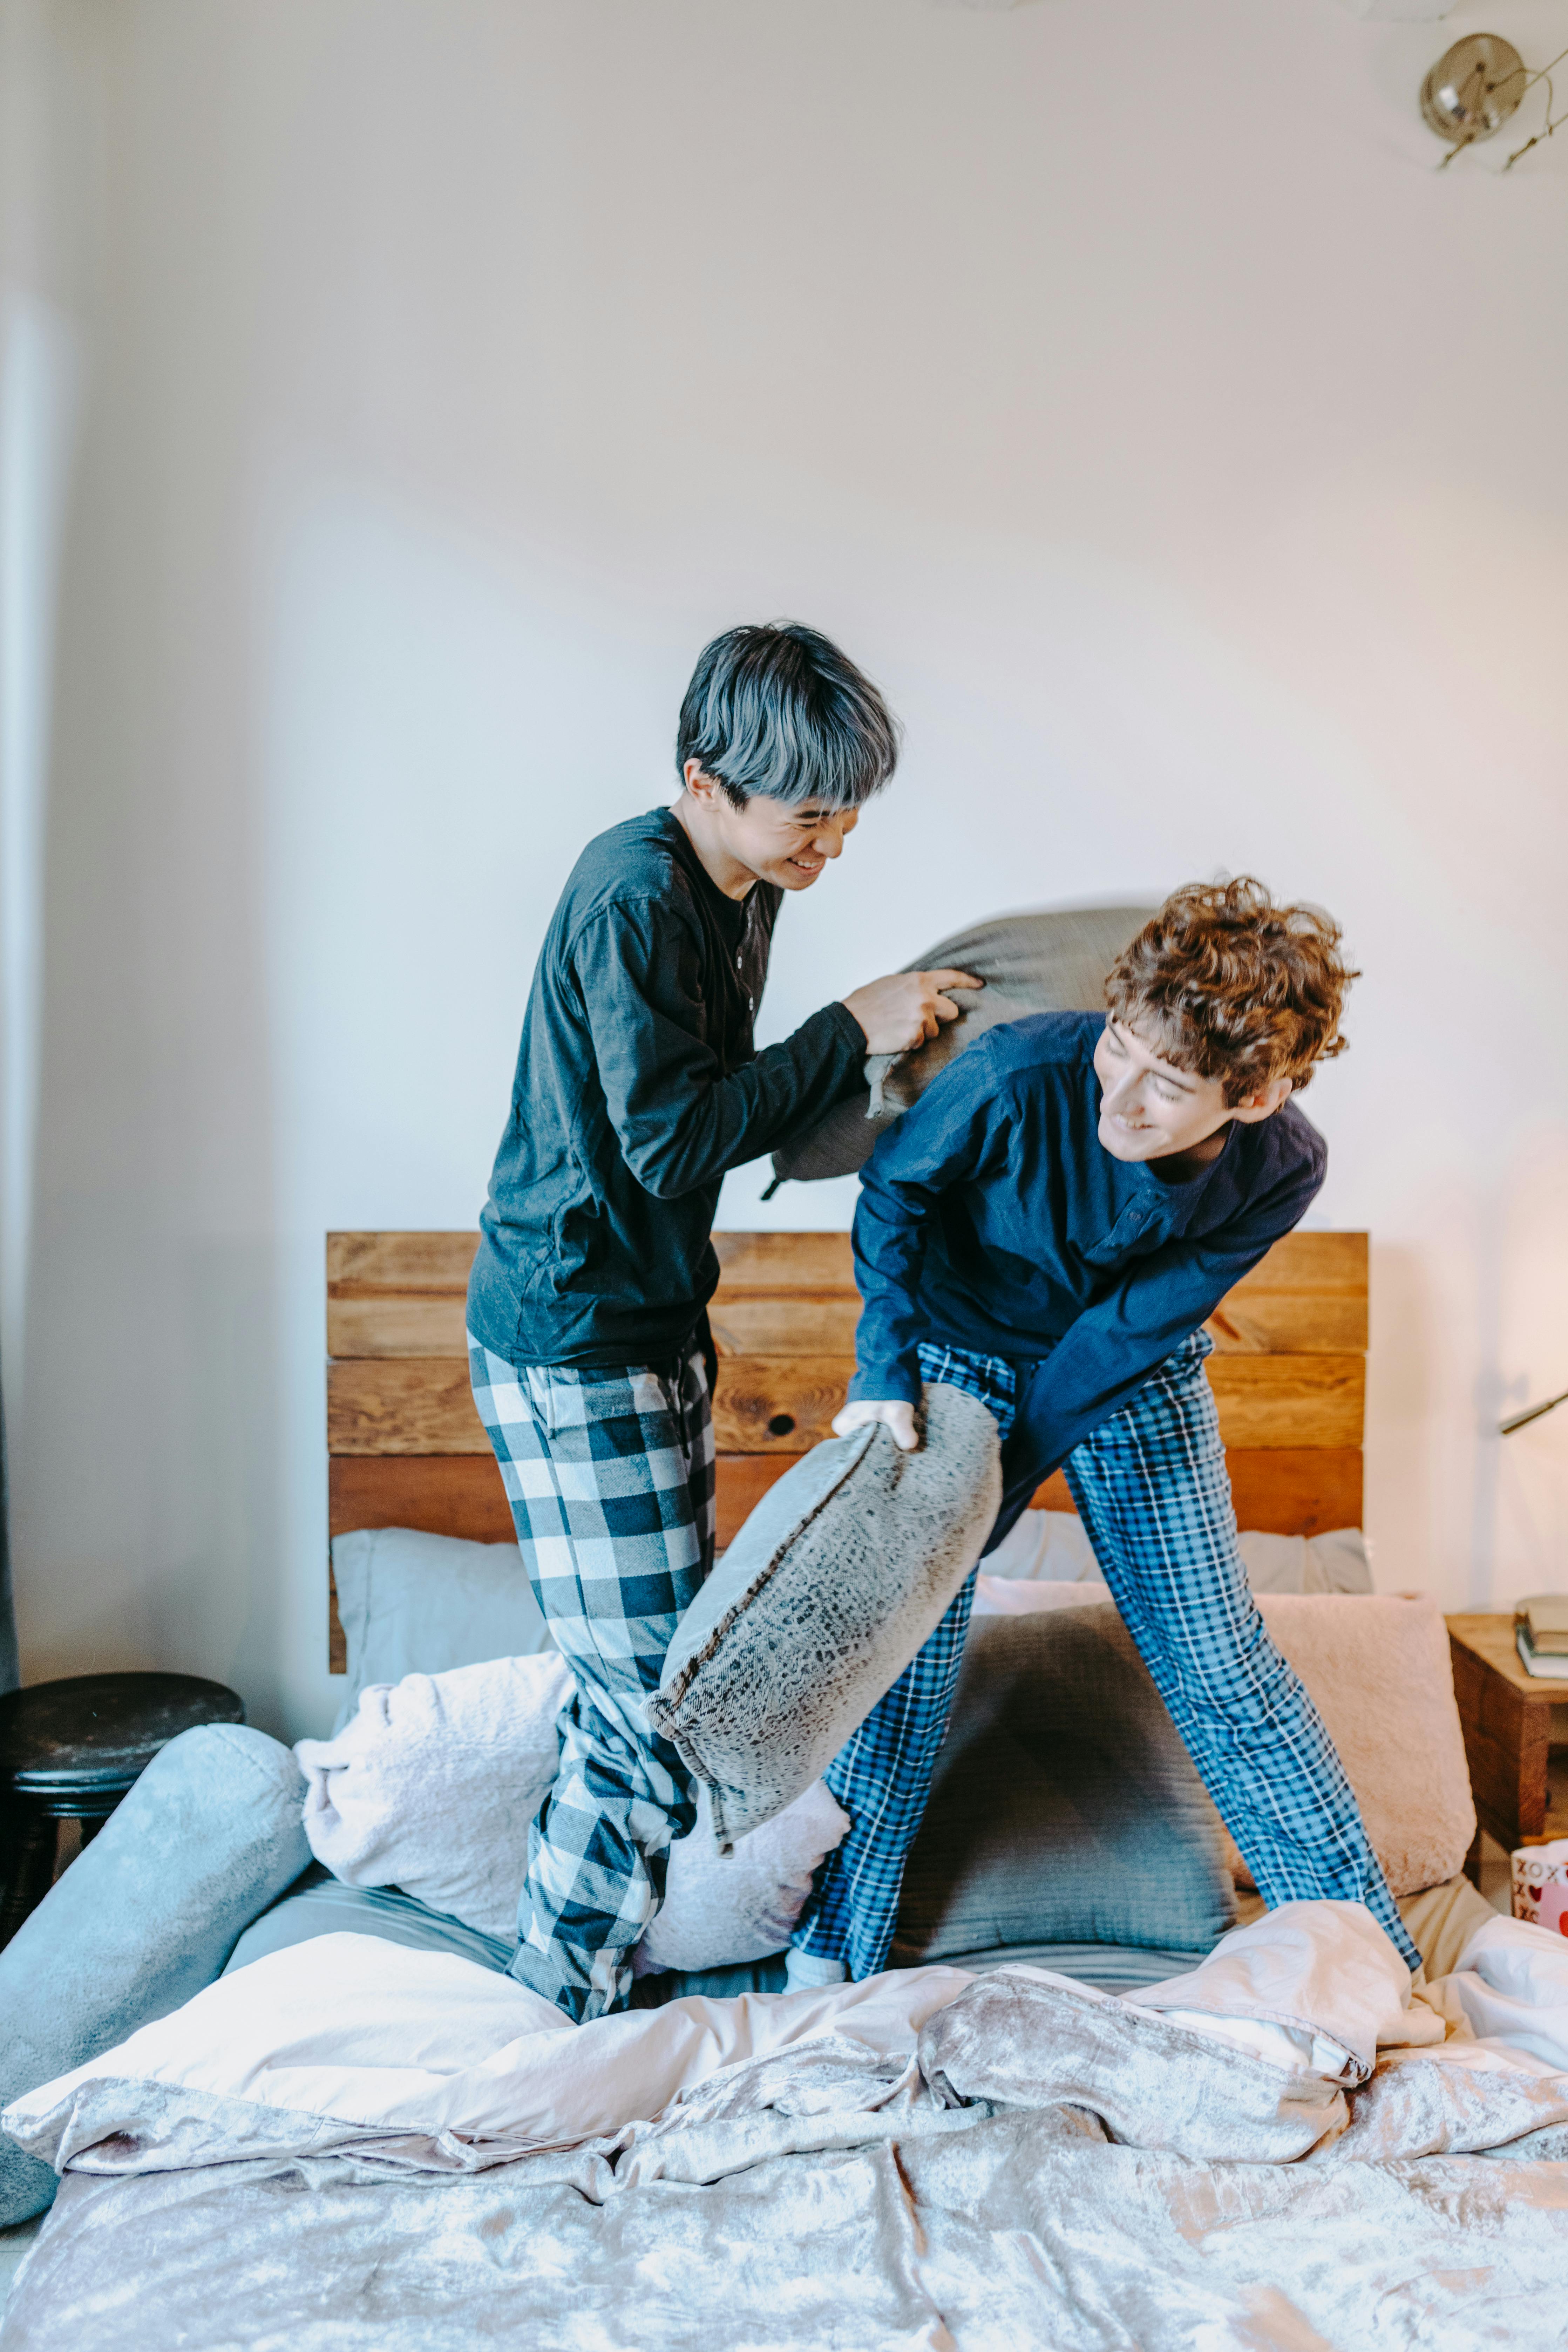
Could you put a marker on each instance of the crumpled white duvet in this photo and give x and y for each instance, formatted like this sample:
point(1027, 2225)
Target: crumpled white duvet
point(354, 2032)
point(432, 1784)
point(1314, 1991)
point(349, 2037)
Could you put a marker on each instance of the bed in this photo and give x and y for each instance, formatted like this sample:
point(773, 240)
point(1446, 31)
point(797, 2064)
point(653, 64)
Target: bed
point(348, 2147)
point(406, 1448)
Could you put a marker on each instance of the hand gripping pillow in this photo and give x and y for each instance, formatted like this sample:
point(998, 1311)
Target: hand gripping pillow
point(825, 1596)
point(1054, 960)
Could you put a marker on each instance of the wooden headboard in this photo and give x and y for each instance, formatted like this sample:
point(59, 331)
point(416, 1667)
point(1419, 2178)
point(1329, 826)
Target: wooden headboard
point(406, 1448)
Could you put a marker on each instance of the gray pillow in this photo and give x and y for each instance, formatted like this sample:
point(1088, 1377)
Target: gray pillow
point(1052, 962)
point(825, 1596)
point(1065, 1809)
point(412, 1603)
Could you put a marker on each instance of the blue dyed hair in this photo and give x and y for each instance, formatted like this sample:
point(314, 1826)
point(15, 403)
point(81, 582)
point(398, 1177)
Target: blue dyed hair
point(776, 710)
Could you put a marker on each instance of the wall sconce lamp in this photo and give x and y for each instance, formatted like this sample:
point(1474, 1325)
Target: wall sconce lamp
point(1476, 86)
point(1531, 1413)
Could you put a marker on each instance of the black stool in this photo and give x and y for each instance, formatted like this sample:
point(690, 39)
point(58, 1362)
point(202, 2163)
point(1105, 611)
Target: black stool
point(69, 1751)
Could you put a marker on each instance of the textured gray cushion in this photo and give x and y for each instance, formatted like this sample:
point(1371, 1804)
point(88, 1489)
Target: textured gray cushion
point(1052, 962)
point(1064, 1808)
point(830, 1588)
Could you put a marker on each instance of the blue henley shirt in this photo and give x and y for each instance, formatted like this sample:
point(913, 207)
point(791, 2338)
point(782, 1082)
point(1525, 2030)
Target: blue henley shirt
point(992, 1218)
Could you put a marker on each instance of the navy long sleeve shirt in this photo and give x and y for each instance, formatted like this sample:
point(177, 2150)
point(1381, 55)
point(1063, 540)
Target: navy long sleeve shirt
point(638, 1085)
point(992, 1218)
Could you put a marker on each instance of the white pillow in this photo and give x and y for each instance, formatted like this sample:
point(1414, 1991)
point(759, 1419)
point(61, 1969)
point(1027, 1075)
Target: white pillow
point(434, 1783)
point(433, 1787)
point(746, 1907)
point(1335, 1561)
point(414, 1603)
point(1048, 1546)
point(1052, 1547)
point(1015, 1596)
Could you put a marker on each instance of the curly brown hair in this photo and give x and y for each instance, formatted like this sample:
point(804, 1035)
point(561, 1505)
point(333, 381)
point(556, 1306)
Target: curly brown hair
point(1224, 984)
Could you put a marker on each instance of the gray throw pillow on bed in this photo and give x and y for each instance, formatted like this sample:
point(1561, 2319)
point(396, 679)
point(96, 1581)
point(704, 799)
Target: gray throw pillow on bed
point(412, 1603)
point(825, 1596)
point(1065, 1809)
point(1052, 962)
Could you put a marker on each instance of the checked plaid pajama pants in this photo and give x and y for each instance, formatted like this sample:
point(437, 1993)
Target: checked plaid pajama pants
point(1151, 1489)
point(610, 1478)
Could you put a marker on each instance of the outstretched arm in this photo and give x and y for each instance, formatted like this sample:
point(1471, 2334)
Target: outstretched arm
point(681, 1119)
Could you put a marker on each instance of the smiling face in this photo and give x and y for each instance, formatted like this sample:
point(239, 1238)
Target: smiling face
point(766, 841)
point(1151, 1111)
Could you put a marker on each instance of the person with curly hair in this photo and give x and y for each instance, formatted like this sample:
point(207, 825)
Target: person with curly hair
point(1049, 1228)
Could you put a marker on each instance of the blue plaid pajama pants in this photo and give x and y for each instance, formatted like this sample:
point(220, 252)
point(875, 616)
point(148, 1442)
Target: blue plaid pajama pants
point(1151, 1489)
point(610, 1478)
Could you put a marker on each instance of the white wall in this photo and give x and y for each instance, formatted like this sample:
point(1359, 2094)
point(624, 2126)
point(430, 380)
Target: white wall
point(1117, 381)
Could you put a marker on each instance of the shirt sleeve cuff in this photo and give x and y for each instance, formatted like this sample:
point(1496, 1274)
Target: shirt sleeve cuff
point(849, 1028)
point(888, 1383)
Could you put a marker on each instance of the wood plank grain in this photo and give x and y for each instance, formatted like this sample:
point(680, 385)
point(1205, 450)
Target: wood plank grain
point(784, 1262)
point(402, 1294)
point(1289, 1400)
point(1317, 1263)
point(1296, 1491)
point(410, 1404)
point(779, 1323)
point(406, 1323)
point(740, 1483)
point(444, 1494)
point(1276, 1492)
point(421, 1404)
point(1491, 1634)
point(1320, 1261)
point(1292, 1401)
point(777, 1404)
point(1288, 1323)
point(462, 1494)
point(409, 1450)
point(398, 1323)
point(760, 1325)
point(783, 1404)
point(1308, 1294)
point(361, 1263)
point(1506, 1746)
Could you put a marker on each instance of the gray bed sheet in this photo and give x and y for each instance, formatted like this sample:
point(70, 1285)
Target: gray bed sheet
point(318, 1905)
point(826, 2199)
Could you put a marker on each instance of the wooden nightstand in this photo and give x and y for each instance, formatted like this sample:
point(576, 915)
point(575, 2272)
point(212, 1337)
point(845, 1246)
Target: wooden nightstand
point(1505, 1716)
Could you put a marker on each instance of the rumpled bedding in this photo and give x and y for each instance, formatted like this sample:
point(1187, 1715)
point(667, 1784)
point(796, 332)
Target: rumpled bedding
point(390, 2149)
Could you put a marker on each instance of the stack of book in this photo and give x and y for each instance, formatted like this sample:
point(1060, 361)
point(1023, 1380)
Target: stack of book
point(1540, 1630)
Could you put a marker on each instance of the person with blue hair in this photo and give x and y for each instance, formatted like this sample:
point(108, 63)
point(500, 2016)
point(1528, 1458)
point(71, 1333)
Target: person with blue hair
point(638, 1085)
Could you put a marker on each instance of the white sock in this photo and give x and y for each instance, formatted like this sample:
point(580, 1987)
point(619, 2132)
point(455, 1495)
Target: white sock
point(812, 1970)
